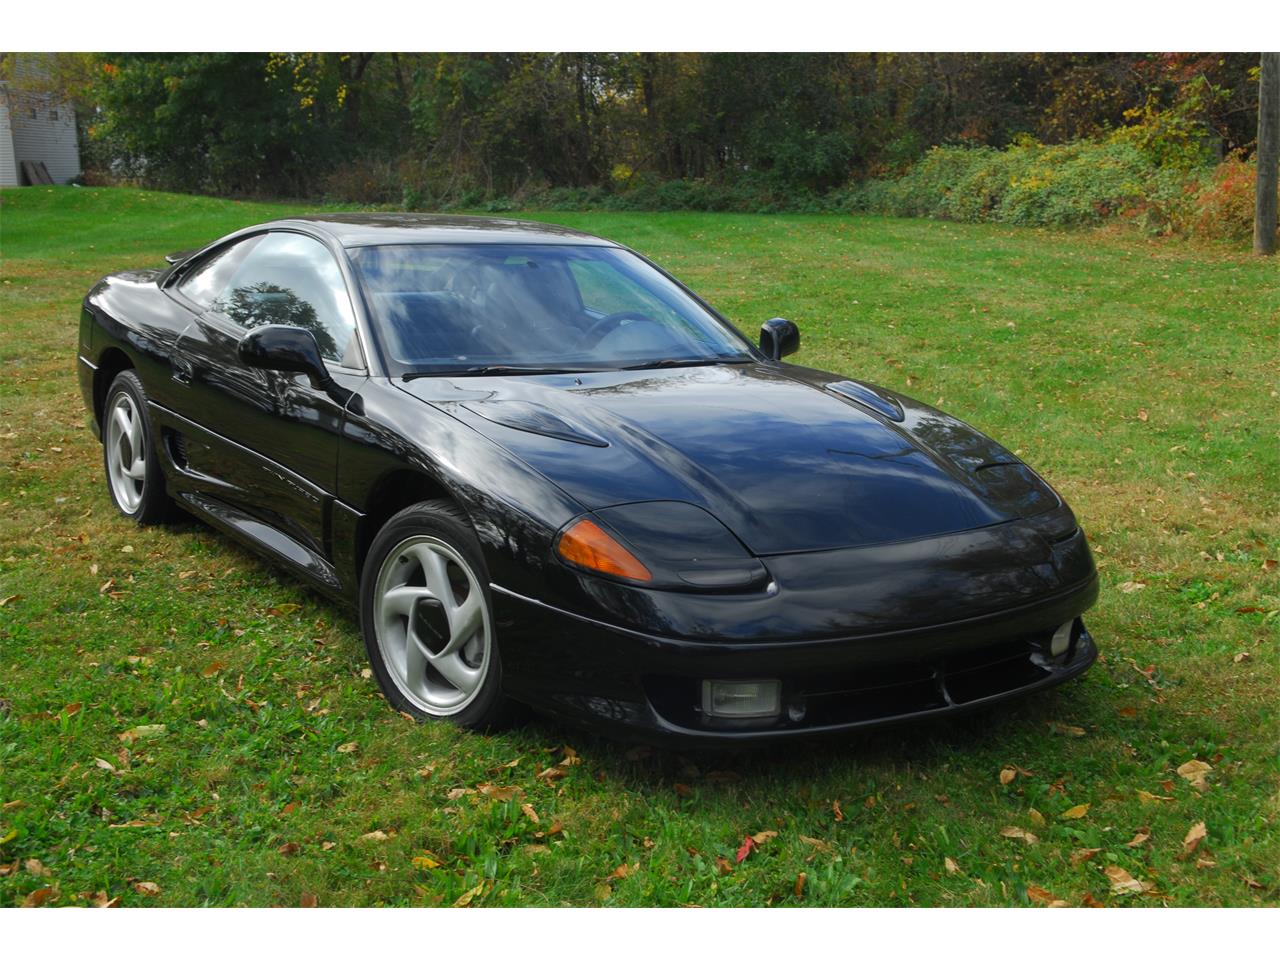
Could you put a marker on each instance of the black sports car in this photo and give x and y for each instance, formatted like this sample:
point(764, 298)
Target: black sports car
point(546, 472)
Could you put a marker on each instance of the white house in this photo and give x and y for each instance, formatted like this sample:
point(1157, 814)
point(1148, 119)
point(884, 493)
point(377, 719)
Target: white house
point(36, 127)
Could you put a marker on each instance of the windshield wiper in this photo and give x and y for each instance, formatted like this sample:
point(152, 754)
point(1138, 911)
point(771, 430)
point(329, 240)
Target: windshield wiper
point(687, 362)
point(496, 369)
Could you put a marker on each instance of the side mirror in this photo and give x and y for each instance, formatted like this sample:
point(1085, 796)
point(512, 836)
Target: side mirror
point(779, 338)
point(291, 349)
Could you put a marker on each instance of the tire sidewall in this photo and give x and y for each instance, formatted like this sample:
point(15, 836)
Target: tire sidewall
point(446, 522)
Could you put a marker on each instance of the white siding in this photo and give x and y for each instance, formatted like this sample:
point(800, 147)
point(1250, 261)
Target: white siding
point(8, 165)
point(42, 137)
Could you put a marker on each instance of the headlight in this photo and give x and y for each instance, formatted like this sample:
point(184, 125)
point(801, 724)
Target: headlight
point(665, 544)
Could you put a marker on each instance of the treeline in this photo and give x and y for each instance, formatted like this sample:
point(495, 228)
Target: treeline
point(727, 130)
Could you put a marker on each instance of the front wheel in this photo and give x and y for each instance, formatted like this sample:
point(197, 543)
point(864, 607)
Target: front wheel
point(134, 476)
point(427, 618)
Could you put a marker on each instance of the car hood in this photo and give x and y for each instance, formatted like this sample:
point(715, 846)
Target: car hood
point(782, 459)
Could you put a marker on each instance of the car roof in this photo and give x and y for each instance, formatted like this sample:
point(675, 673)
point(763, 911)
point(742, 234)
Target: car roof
point(374, 229)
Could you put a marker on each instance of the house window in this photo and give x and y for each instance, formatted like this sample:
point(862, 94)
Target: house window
point(32, 113)
point(53, 114)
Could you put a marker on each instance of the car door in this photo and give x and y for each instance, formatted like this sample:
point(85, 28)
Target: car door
point(264, 443)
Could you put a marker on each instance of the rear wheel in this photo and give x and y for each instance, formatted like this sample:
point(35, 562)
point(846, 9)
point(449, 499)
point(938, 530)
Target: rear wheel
point(134, 477)
point(427, 618)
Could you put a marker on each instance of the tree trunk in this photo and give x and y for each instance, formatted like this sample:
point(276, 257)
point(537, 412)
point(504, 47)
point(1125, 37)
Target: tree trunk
point(1264, 221)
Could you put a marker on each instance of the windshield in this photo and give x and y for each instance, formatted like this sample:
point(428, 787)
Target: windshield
point(490, 308)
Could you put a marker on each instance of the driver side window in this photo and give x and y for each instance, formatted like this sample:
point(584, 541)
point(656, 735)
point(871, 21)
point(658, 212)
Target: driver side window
point(605, 291)
point(284, 278)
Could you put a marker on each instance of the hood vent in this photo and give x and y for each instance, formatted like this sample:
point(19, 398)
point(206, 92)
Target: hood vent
point(532, 418)
point(869, 397)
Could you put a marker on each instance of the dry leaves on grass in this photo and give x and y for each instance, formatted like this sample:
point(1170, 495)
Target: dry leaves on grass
point(1041, 895)
point(1131, 586)
point(1193, 838)
point(1084, 853)
point(1123, 882)
point(308, 900)
point(1194, 772)
point(1139, 838)
point(350, 747)
point(1148, 797)
point(1066, 729)
point(752, 841)
point(1017, 833)
point(146, 888)
point(950, 865)
point(1077, 812)
point(149, 731)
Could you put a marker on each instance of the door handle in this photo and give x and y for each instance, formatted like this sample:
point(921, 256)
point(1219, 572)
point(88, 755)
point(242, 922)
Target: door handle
point(182, 370)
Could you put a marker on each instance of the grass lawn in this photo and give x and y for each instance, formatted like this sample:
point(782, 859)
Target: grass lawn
point(180, 724)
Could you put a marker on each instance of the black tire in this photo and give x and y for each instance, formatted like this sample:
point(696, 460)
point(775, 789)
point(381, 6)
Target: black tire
point(153, 504)
point(445, 523)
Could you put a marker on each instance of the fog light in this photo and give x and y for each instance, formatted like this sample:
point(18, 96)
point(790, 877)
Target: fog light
point(740, 698)
point(1062, 638)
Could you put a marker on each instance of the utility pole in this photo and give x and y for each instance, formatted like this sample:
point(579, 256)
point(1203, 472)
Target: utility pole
point(1264, 220)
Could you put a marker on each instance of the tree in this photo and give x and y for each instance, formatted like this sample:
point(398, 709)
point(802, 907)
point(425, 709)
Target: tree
point(1264, 220)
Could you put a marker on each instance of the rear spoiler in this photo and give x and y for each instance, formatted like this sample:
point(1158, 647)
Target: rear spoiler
point(173, 259)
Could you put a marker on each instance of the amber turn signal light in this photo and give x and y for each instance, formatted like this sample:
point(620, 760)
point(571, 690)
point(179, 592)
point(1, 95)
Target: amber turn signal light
point(585, 545)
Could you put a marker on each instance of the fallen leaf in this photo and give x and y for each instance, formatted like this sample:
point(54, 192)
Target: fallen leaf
point(1205, 862)
point(801, 878)
point(1139, 838)
point(1143, 415)
point(1036, 817)
point(764, 836)
point(817, 844)
point(466, 899)
point(288, 849)
point(289, 807)
point(146, 888)
point(1193, 838)
point(501, 794)
point(747, 846)
point(71, 709)
point(378, 835)
point(528, 811)
point(950, 865)
point(1007, 774)
point(150, 731)
point(1268, 565)
point(836, 811)
point(425, 861)
point(1122, 882)
point(1040, 895)
point(12, 598)
point(104, 764)
point(1089, 900)
point(38, 898)
point(1131, 586)
point(37, 869)
point(308, 900)
point(1076, 813)
point(213, 668)
point(281, 609)
point(1193, 771)
point(1017, 833)
point(1148, 797)
point(1083, 854)
point(351, 747)
point(457, 793)
point(1128, 713)
point(1066, 729)
point(1241, 657)
point(683, 790)
point(723, 866)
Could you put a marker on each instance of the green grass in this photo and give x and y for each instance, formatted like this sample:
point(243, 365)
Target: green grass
point(1143, 379)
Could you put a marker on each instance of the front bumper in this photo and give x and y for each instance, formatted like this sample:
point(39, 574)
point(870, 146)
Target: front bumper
point(649, 687)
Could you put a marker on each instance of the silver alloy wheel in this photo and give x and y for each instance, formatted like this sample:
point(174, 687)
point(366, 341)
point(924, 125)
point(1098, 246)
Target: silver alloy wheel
point(432, 624)
point(126, 452)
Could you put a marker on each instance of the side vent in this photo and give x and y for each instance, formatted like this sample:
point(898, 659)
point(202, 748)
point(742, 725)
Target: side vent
point(178, 448)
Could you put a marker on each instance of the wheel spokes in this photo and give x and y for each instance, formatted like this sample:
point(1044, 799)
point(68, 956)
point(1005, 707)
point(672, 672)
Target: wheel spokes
point(401, 600)
point(464, 678)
